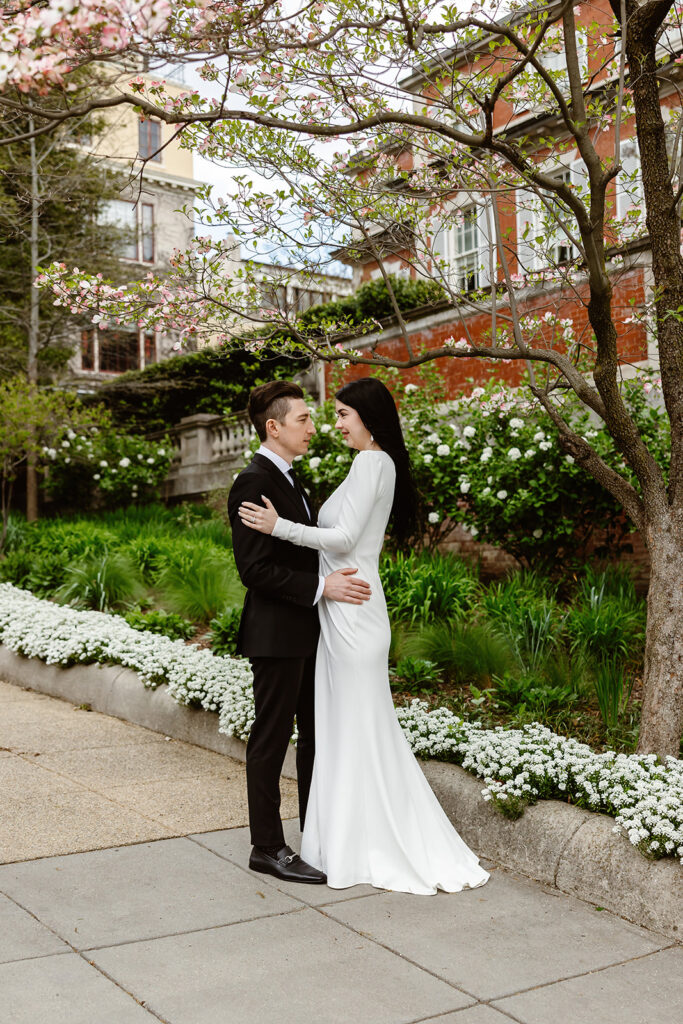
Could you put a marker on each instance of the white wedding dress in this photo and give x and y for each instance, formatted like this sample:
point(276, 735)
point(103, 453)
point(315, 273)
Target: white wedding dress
point(371, 815)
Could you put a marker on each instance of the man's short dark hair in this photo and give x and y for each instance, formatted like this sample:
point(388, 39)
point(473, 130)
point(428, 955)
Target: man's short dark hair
point(271, 402)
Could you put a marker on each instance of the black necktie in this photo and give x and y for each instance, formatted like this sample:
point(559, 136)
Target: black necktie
point(299, 490)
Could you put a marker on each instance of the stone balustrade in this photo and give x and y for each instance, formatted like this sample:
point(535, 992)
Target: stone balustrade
point(209, 450)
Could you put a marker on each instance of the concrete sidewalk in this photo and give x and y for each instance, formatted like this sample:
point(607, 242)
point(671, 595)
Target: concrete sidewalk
point(177, 929)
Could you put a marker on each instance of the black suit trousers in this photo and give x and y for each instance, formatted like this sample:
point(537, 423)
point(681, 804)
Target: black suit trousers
point(283, 689)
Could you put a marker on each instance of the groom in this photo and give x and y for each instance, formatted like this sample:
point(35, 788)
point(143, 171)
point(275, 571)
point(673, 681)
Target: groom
point(279, 626)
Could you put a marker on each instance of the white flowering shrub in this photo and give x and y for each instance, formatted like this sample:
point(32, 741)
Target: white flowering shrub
point(518, 766)
point(492, 461)
point(102, 461)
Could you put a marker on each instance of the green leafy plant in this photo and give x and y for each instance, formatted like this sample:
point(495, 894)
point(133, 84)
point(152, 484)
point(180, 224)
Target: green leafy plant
point(608, 680)
point(166, 623)
point(467, 651)
point(535, 633)
point(150, 553)
point(561, 669)
point(525, 588)
point(602, 621)
point(224, 630)
point(16, 566)
point(47, 574)
point(517, 693)
point(73, 539)
point(101, 583)
point(214, 531)
point(422, 587)
point(200, 584)
point(15, 532)
point(416, 675)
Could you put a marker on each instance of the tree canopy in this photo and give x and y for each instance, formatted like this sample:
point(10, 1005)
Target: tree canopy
point(53, 192)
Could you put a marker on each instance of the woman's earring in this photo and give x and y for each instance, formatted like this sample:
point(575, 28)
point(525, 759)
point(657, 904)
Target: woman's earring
point(372, 440)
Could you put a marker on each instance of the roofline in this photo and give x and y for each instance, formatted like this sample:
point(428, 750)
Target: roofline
point(454, 53)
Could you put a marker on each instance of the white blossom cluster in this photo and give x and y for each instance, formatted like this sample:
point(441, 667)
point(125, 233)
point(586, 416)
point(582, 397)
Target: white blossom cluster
point(518, 766)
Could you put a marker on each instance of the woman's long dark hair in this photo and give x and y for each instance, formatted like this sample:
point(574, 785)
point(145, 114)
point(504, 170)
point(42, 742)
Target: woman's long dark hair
point(375, 405)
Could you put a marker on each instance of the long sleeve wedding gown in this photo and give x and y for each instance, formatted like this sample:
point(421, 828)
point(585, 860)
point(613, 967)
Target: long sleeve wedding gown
point(371, 815)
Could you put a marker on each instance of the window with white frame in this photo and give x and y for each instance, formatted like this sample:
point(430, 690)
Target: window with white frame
point(533, 94)
point(465, 263)
point(149, 139)
point(561, 248)
point(146, 233)
point(461, 249)
point(629, 188)
point(116, 351)
point(541, 240)
point(136, 221)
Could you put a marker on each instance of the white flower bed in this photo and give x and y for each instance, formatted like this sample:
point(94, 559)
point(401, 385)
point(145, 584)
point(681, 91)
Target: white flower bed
point(518, 766)
point(63, 636)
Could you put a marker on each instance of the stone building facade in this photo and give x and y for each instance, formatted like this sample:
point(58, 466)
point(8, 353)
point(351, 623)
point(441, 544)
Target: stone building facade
point(161, 180)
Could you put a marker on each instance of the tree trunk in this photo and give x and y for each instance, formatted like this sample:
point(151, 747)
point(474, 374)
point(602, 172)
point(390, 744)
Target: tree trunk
point(34, 328)
point(661, 723)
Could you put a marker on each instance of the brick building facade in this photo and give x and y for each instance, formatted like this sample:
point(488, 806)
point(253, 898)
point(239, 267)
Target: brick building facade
point(465, 247)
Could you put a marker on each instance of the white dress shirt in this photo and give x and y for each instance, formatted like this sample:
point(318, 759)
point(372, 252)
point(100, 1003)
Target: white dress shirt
point(284, 468)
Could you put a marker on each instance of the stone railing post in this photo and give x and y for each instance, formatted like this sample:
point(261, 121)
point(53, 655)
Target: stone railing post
point(209, 451)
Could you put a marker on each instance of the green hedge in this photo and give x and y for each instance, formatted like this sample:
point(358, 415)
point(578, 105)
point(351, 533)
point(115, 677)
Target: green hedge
point(219, 380)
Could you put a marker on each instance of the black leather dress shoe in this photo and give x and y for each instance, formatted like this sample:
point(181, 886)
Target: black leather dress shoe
point(286, 865)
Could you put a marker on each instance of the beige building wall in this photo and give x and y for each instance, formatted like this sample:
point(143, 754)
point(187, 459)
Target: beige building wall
point(155, 193)
point(120, 143)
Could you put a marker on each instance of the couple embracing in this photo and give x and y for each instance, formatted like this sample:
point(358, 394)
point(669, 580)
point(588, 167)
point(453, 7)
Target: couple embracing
point(316, 630)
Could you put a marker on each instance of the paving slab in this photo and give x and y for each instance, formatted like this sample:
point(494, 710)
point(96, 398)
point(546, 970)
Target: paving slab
point(645, 991)
point(78, 781)
point(480, 1014)
point(502, 938)
point(24, 776)
point(60, 726)
point(64, 990)
point(22, 937)
point(234, 844)
point(136, 892)
point(10, 692)
point(302, 967)
point(59, 821)
point(148, 762)
point(194, 804)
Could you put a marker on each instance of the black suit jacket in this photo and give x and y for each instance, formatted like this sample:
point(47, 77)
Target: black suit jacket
point(279, 619)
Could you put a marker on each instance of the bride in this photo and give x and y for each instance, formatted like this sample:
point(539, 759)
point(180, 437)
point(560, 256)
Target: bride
point(371, 816)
